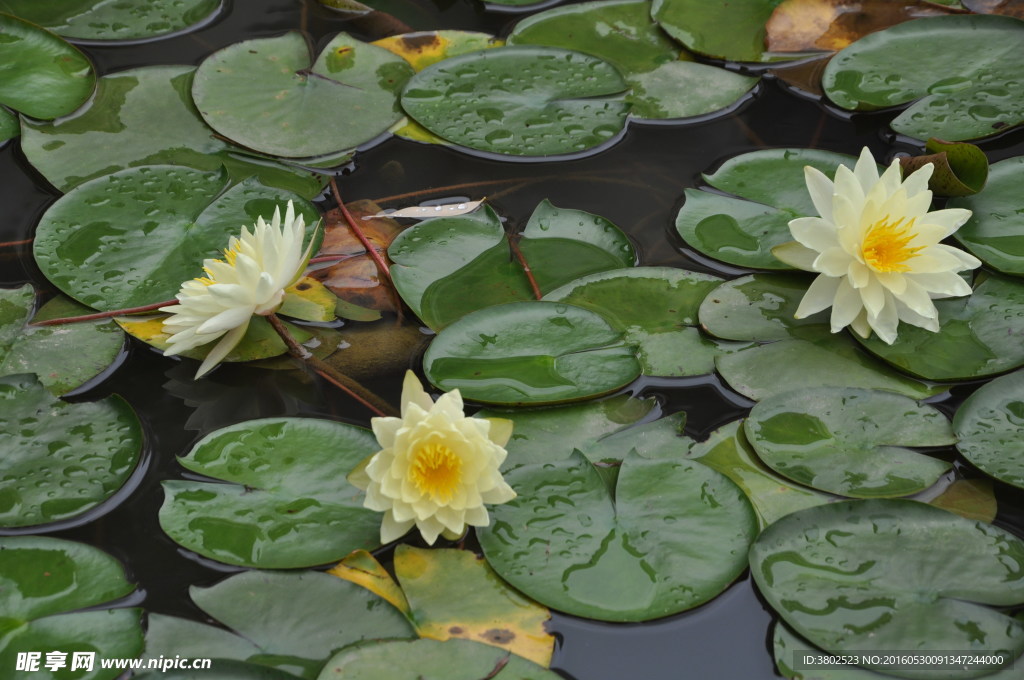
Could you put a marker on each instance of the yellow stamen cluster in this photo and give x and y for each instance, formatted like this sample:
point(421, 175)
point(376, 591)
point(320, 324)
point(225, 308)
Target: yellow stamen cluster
point(886, 245)
point(437, 472)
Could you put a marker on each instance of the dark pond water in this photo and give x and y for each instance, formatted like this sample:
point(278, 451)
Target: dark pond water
point(638, 184)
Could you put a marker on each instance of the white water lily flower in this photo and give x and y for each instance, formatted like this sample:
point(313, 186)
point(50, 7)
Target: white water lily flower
point(251, 279)
point(877, 249)
point(436, 468)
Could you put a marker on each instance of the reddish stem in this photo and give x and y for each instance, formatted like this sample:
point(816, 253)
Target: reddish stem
point(354, 226)
point(105, 315)
point(11, 244)
point(526, 267)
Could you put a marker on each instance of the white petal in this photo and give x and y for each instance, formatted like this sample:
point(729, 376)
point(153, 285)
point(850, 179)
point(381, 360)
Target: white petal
point(866, 170)
point(950, 219)
point(795, 255)
point(413, 393)
point(846, 307)
point(848, 191)
point(814, 232)
point(392, 530)
point(885, 323)
point(833, 262)
point(916, 298)
point(819, 296)
point(873, 297)
point(917, 181)
point(821, 189)
point(222, 349)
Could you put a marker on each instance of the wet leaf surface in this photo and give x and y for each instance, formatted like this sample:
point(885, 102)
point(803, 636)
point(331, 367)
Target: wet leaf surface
point(959, 169)
point(698, 25)
point(9, 125)
point(287, 505)
point(97, 20)
point(989, 426)
point(995, 232)
point(42, 579)
point(887, 575)
point(530, 353)
point(53, 473)
point(131, 238)
point(674, 537)
point(850, 442)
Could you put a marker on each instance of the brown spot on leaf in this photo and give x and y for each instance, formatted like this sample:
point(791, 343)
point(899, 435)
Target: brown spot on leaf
point(456, 630)
point(302, 286)
point(420, 41)
point(498, 636)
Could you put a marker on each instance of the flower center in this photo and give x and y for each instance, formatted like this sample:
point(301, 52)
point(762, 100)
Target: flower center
point(886, 246)
point(437, 471)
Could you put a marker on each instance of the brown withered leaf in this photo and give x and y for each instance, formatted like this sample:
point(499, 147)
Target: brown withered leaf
point(810, 25)
point(1010, 8)
point(355, 278)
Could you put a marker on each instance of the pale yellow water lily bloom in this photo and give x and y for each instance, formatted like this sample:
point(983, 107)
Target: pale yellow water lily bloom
point(436, 468)
point(251, 279)
point(876, 248)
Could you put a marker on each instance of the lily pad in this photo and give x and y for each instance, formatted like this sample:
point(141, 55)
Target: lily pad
point(98, 20)
point(798, 353)
point(269, 94)
point(41, 75)
point(451, 594)
point(989, 426)
point(530, 353)
point(293, 622)
point(226, 670)
point(43, 350)
point(979, 335)
point(995, 232)
point(674, 536)
point(700, 25)
point(888, 575)
point(287, 504)
point(773, 497)
point(54, 473)
point(850, 441)
point(768, 190)
point(683, 89)
point(431, 660)
point(959, 168)
point(145, 116)
point(656, 309)
point(43, 579)
point(436, 261)
point(954, 98)
point(9, 125)
point(547, 101)
point(131, 238)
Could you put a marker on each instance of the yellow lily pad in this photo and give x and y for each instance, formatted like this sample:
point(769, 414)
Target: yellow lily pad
point(361, 568)
point(259, 342)
point(970, 498)
point(309, 300)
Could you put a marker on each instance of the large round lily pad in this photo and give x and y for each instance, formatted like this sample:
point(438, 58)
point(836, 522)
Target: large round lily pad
point(989, 425)
point(51, 473)
point(431, 660)
point(132, 238)
point(995, 232)
point(101, 20)
point(674, 537)
point(288, 504)
point(41, 75)
point(293, 621)
point(656, 309)
point(145, 116)
point(530, 353)
point(850, 441)
point(269, 94)
point(733, 30)
point(521, 101)
point(767, 190)
point(41, 581)
point(979, 335)
point(889, 575)
point(962, 72)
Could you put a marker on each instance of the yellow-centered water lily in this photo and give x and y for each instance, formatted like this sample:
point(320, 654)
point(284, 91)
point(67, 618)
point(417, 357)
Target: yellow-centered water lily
point(876, 249)
point(251, 279)
point(436, 468)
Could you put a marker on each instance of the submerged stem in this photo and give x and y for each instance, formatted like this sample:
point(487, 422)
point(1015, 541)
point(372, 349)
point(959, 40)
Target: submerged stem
point(328, 373)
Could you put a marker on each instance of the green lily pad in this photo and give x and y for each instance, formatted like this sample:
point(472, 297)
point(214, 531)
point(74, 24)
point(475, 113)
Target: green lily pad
point(269, 94)
point(9, 125)
point(53, 473)
point(773, 497)
point(989, 426)
point(145, 116)
point(287, 504)
point(431, 660)
point(955, 98)
point(683, 89)
point(226, 670)
point(530, 353)
point(43, 579)
point(799, 353)
point(656, 309)
point(979, 335)
point(293, 622)
point(43, 350)
point(995, 232)
point(131, 238)
point(674, 536)
point(768, 190)
point(888, 575)
point(850, 442)
point(41, 75)
point(98, 20)
point(548, 101)
point(551, 434)
point(701, 26)
point(959, 168)
point(436, 261)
